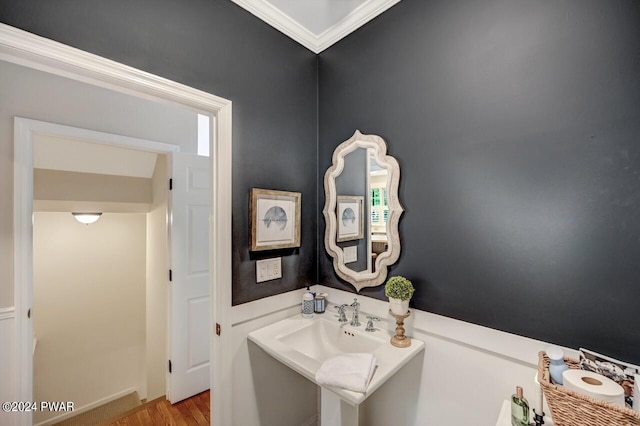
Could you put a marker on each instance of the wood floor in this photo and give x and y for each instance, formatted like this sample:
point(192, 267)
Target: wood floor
point(192, 411)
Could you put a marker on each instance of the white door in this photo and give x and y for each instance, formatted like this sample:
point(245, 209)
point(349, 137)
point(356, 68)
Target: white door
point(189, 306)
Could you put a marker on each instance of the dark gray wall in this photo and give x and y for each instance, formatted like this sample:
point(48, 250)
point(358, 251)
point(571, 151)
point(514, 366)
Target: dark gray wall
point(516, 124)
point(215, 46)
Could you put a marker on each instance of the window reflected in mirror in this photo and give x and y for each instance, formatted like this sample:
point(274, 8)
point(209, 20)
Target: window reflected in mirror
point(379, 208)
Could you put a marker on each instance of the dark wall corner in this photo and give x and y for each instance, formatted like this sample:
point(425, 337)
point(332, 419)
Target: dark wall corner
point(515, 125)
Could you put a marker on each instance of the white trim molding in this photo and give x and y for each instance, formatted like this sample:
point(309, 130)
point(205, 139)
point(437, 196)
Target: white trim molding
point(24, 125)
point(7, 362)
point(7, 313)
point(23, 264)
point(316, 42)
point(249, 311)
point(37, 52)
point(23, 48)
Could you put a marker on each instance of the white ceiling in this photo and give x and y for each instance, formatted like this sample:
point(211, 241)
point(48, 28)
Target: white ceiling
point(316, 24)
point(55, 153)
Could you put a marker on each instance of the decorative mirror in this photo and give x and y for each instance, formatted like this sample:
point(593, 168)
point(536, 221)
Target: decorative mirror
point(362, 210)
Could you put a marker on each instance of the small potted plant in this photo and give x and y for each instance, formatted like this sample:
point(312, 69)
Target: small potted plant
point(399, 290)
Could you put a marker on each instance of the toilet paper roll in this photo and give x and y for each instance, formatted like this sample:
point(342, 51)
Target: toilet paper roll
point(594, 385)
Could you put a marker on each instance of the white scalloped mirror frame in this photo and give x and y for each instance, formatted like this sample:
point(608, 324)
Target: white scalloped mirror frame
point(378, 146)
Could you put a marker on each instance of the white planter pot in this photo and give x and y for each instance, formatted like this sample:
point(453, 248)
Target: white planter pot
point(398, 306)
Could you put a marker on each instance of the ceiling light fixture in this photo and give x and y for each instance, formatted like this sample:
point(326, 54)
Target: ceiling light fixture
point(87, 218)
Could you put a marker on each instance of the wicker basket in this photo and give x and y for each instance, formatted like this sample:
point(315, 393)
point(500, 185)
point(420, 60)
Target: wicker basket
point(569, 408)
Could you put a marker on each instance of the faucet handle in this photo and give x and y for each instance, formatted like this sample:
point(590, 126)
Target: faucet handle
point(370, 321)
point(341, 308)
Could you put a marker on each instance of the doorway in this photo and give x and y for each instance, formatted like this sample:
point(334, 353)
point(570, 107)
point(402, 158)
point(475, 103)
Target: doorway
point(99, 290)
point(21, 47)
point(132, 191)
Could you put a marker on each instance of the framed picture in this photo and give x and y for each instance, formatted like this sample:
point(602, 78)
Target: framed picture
point(350, 218)
point(275, 219)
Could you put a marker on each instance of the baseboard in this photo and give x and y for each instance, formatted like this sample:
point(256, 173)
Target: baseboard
point(86, 407)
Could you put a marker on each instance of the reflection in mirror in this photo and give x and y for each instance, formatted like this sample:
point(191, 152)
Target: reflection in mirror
point(362, 210)
point(379, 206)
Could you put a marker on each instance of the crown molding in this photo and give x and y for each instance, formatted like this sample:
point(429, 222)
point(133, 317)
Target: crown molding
point(316, 43)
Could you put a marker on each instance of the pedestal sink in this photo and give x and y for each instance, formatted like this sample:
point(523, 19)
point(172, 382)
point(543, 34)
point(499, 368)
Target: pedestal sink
point(304, 344)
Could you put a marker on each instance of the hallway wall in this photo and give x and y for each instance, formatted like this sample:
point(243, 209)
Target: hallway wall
point(88, 307)
point(41, 96)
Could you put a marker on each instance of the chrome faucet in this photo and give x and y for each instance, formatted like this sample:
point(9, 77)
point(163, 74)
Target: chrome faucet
point(341, 308)
point(355, 322)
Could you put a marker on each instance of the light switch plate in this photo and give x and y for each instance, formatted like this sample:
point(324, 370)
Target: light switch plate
point(350, 254)
point(268, 269)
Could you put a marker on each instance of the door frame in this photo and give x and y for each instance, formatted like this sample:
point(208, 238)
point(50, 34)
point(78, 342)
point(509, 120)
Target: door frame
point(26, 49)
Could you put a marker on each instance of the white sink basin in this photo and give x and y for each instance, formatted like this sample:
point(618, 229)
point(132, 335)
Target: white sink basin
point(322, 339)
point(304, 344)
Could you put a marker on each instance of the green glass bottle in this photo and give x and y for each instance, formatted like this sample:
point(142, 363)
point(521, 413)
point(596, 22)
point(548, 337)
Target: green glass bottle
point(519, 409)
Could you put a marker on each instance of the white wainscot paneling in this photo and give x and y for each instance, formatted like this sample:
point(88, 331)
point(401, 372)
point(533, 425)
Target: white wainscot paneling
point(465, 374)
point(265, 391)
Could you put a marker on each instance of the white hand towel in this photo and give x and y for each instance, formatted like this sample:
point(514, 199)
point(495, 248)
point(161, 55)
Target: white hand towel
point(347, 371)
